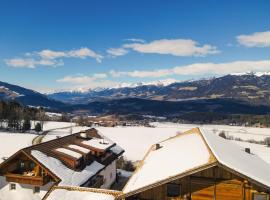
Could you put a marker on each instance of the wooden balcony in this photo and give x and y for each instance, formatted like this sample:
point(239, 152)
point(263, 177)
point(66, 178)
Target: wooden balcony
point(30, 180)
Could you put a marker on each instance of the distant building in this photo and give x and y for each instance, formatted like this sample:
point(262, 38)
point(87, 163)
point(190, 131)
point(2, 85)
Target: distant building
point(199, 165)
point(84, 159)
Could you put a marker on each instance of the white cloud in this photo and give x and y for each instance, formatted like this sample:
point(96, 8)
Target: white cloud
point(200, 69)
point(81, 79)
point(114, 52)
point(51, 58)
point(76, 79)
point(135, 40)
point(77, 53)
point(258, 39)
point(176, 47)
point(31, 63)
point(49, 54)
point(100, 76)
point(83, 82)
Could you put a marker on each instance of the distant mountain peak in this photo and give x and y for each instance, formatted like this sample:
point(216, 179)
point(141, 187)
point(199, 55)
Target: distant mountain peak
point(250, 87)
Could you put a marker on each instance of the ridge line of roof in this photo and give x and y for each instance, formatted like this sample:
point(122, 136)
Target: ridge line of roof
point(212, 154)
point(42, 143)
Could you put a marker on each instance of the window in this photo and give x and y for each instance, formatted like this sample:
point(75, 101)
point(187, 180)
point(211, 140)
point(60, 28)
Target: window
point(259, 196)
point(22, 165)
point(12, 186)
point(36, 189)
point(32, 165)
point(173, 190)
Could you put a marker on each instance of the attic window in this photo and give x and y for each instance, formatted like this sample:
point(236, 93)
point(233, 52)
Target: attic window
point(173, 190)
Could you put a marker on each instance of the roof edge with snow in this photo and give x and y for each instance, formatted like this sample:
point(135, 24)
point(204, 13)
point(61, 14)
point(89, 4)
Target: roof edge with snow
point(213, 161)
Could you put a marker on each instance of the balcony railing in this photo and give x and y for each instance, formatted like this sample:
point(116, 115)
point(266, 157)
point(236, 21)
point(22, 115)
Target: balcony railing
point(31, 180)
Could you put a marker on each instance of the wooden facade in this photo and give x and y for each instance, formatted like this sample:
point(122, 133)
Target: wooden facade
point(214, 183)
point(21, 169)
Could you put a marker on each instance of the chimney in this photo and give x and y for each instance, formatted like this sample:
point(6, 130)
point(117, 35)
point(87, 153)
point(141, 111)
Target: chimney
point(247, 150)
point(157, 146)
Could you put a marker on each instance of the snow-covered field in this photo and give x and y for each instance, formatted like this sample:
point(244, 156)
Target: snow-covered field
point(63, 132)
point(10, 143)
point(245, 133)
point(48, 125)
point(137, 140)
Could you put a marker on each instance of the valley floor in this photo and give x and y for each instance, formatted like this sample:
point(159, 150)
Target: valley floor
point(137, 140)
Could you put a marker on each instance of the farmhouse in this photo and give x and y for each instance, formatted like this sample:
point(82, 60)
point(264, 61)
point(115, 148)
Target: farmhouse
point(85, 159)
point(199, 165)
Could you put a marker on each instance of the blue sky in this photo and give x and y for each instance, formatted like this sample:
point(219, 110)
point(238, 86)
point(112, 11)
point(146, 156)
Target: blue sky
point(52, 45)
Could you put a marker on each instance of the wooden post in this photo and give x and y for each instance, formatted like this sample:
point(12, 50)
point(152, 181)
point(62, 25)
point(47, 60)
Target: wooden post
point(215, 183)
point(189, 185)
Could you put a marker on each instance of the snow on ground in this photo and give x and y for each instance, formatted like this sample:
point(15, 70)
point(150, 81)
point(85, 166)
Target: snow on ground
point(48, 125)
point(137, 140)
point(245, 133)
point(63, 132)
point(10, 143)
point(124, 173)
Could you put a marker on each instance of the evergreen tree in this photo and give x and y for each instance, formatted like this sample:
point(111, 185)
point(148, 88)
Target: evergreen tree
point(38, 127)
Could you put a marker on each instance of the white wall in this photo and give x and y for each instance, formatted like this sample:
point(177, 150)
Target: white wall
point(22, 192)
point(109, 174)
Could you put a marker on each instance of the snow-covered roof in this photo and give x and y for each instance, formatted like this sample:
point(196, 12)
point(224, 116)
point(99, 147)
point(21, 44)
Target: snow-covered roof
point(99, 143)
point(81, 149)
point(68, 176)
point(69, 153)
point(191, 151)
point(175, 156)
point(62, 194)
point(234, 157)
point(117, 149)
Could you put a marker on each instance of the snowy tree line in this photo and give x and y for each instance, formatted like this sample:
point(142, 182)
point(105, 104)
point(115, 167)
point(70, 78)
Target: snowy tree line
point(15, 117)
